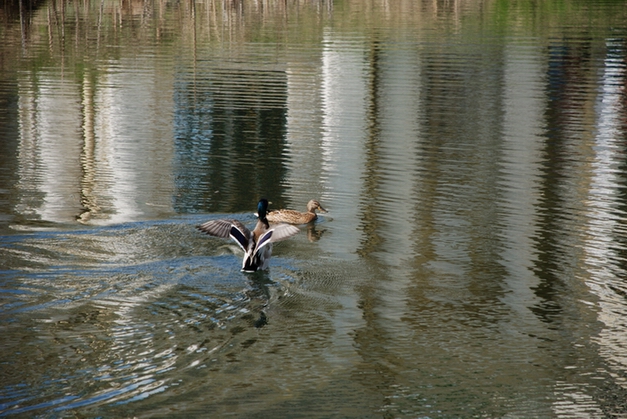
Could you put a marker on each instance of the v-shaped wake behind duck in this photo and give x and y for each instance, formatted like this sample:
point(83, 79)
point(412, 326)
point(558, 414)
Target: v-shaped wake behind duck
point(256, 244)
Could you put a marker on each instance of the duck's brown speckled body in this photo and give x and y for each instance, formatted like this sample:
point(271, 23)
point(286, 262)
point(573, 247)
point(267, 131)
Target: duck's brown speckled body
point(296, 217)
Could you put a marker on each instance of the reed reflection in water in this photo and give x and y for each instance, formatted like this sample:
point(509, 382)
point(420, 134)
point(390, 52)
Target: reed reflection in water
point(471, 157)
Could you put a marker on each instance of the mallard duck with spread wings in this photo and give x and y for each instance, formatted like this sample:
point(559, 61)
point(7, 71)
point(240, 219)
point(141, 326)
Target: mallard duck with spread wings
point(256, 244)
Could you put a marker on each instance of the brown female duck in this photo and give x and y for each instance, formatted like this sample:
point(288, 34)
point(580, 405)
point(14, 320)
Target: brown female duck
point(296, 217)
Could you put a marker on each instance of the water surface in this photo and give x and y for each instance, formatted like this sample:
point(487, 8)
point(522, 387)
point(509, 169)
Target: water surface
point(471, 155)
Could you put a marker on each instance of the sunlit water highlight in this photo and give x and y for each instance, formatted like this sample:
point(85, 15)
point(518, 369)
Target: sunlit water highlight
point(471, 156)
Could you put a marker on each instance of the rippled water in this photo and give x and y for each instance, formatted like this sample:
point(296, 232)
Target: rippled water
point(471, 155)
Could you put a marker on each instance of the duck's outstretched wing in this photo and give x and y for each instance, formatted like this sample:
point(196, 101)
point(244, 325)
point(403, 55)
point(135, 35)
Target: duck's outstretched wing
point(227, 228)
point(240, 234)
point(276, 233)
point(218, 228)
point(263, 249)
point(282, 232)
